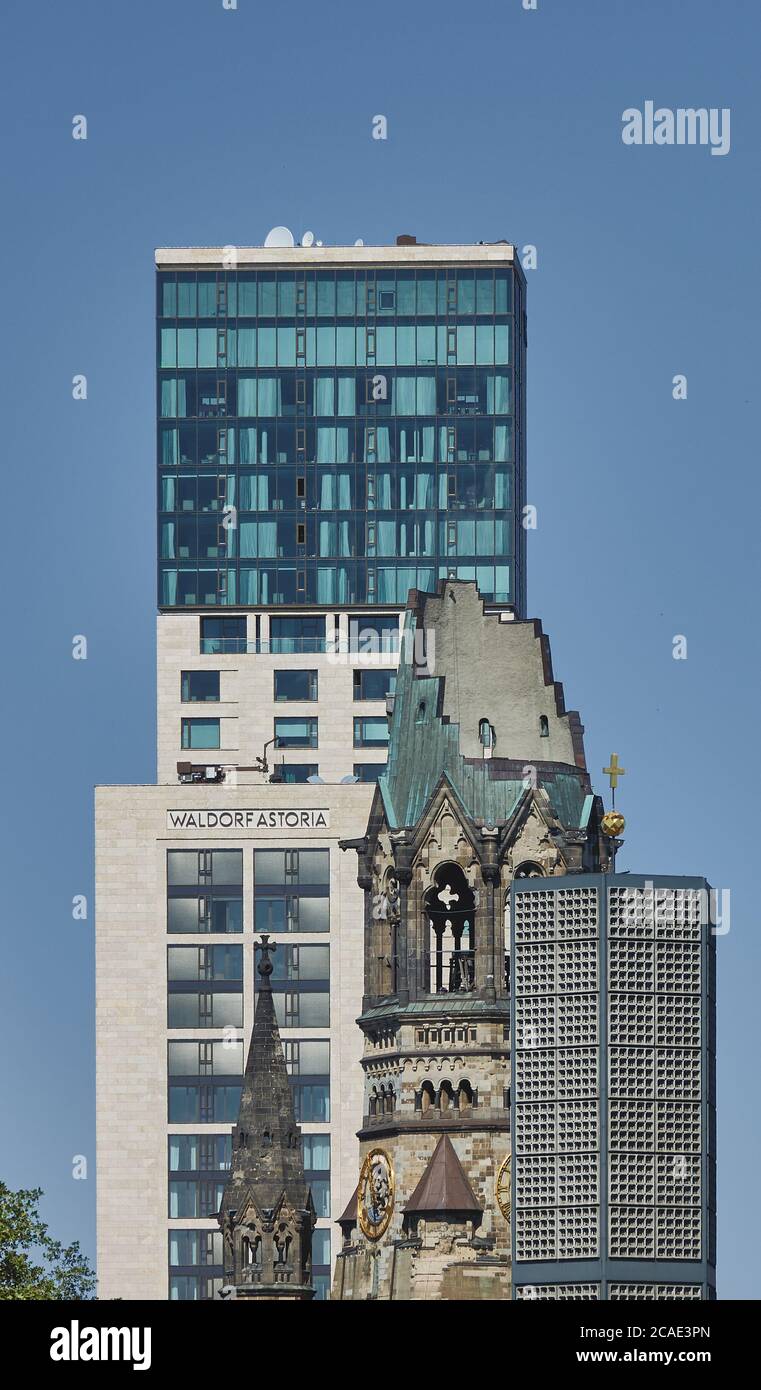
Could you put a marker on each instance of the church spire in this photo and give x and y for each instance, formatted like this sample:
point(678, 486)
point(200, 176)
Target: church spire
point(267, 1214)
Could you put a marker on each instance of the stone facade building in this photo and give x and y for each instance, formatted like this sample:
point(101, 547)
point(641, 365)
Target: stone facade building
point(486, 782)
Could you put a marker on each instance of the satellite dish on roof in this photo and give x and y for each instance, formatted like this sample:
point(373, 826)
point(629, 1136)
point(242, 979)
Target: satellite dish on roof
point(350, 779)
point(307, 239)
point(359, 242)
point(279, 236)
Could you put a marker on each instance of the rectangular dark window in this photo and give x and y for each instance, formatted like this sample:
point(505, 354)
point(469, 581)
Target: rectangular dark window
point(198, 686)
point(294, 773)
point(297, 634)
point(200, 733)
point(296, 733)
point(373, 684)
point(301, 963)
point(295, 685)
point(223, 635)
point(204, 963)
point(204, 1010)
point(291, 866)
point(223, 1058)
point(371, 632)
point(302, 1008)
point(368, 772)
point(205, 867)
point(371, 733)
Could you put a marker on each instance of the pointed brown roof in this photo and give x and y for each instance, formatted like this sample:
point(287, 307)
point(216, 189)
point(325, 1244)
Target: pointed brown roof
point(444, 1186)
point(350, 1214)
point(267, 1157)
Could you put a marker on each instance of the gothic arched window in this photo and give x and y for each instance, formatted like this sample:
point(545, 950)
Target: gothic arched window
point(449, 905)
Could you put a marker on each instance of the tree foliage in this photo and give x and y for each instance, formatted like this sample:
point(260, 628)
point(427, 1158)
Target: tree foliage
point(32, 1264)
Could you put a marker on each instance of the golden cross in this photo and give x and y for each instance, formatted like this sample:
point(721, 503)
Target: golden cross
point(614, 771)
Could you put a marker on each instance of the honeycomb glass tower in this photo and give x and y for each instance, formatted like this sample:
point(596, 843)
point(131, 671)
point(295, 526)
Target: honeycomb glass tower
point(613, 1078)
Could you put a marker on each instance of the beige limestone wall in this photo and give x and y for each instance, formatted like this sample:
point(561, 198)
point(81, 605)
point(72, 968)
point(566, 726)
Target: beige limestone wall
point(247, 706)
point(131, 991)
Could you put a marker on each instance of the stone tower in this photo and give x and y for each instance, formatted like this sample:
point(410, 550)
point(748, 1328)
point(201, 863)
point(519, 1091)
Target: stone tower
point(267, 1216)
point(486, 781)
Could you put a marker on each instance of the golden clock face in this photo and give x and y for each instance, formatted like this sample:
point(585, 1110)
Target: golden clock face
point(503, 1188)
point(375, 1196)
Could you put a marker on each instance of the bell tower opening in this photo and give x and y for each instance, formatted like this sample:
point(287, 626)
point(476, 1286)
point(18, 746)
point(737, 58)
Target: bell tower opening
point(449, 906)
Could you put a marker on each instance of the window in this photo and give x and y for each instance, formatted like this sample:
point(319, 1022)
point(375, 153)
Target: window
point(292, 866)
point(295, 685)
point(370, 632)
point(296, 733)
point(302, 1009)
point(291, 890)
point(200, 733)
point(207, 867)
point(223, 635)
point(307, 1057)
point(189, 1153)
point(368, 772)
point(297, 963)
point(371, 733)
point(292, 773)
point(486, 734)
point(205, 962)
point(298, 634)
point(544, 726)
point(224, 1058)
point(373, 684)
point(195, 1247)
point(198, 686)
point(195, 1009)
point(204, 1103)
point(204, 890)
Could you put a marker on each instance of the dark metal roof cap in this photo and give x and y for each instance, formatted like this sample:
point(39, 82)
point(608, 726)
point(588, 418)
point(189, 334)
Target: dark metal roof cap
point(444, 1186)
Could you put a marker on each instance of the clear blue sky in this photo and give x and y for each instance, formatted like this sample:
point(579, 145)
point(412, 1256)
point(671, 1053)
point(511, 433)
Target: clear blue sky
point(209, 126)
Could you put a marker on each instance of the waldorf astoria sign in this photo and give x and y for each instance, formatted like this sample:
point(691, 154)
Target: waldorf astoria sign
point(249, 819)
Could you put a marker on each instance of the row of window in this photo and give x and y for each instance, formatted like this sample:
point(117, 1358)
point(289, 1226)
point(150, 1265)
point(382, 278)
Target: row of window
point(216, 963)
point(200, 537)
point(332, 583)
point(484, 344)
point(410, 485)
point(356, 441)
point(463, 392)
point(200, 1257)
point(206, 1102)
point(202, 687)
point(212, 1008)
point(207, 868)
point(290, 732)
point(299, 633)
point(329, 293)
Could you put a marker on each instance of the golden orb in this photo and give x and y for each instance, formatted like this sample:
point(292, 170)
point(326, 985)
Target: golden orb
point(612, 824)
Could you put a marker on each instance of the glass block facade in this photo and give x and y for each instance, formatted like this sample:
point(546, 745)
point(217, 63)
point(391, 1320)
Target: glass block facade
point(613, 1086)
point(339, 436)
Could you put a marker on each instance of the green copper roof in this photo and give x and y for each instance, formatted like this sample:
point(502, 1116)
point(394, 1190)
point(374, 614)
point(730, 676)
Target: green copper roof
point(422, 747)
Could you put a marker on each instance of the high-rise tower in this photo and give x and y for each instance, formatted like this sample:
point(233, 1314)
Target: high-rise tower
point(336, 425)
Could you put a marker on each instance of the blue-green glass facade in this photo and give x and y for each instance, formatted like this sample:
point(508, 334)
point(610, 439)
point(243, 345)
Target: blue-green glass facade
point(340, 436)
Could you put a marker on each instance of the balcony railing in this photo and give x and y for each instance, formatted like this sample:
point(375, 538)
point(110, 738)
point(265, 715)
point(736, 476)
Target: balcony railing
point(276, 646)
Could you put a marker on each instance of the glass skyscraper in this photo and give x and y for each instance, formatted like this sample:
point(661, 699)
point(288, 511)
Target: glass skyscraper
point(339, 426)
